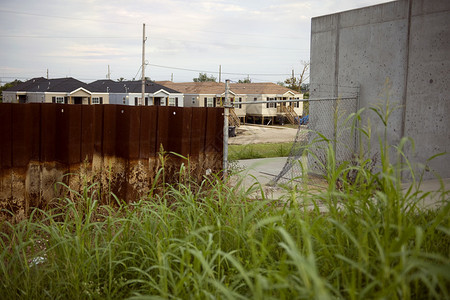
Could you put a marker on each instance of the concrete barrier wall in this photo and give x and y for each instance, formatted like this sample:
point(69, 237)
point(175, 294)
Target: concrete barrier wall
point(115, 147)
point(397, 51)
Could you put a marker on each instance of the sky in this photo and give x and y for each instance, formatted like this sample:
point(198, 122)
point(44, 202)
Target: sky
point(263, 40)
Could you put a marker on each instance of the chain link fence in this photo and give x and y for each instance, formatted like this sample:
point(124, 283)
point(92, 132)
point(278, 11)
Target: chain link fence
point(329, 126)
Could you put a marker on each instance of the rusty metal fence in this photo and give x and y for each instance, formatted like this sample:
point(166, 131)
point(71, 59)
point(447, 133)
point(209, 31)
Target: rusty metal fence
point(116, 148)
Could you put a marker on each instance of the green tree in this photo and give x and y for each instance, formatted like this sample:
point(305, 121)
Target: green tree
point(203, 77)
point(7, 86)
point(245, 80)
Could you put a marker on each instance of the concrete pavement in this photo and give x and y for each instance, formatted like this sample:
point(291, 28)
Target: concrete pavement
point(263, 170)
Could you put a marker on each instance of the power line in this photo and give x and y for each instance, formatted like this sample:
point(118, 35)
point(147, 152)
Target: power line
point(135, 37)
point(216, 72)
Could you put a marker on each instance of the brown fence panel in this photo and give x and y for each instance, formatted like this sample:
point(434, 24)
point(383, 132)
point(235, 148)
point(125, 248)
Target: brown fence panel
point(88, 132)
point(97, 156)
point(197, 135)
point(214, 139)
point(5, 154)
point(25, 134)
point(25, 158)
point(198, 131)
point(148, 132)
point(128, 132)
point(51, 173)
point(145, 169)
point(214, 130)
point(48, 133)
point(109, 130)
point(174, 124)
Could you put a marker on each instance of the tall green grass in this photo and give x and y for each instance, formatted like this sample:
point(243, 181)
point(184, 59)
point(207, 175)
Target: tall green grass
point(363, 239)
point(251, 151)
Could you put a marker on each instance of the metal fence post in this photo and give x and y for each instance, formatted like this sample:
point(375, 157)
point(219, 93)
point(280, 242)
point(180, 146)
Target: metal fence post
point(226, 106)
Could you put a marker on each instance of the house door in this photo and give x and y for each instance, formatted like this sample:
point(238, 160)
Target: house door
point(157, 101)
point(77, 100)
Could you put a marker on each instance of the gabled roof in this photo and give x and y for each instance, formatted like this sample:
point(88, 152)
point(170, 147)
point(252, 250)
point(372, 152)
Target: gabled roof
point(208, 88)
point(111, 86)
point(261, 88)
point(217, 88)
point(41, 84)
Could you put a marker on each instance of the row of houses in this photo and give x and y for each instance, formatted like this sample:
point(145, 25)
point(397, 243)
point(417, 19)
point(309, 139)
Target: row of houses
point(164, 93)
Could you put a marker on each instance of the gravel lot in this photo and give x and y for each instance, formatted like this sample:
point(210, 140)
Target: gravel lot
point(260, 134)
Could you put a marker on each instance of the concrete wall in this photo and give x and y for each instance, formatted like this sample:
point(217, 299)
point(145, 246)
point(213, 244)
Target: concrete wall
point(397, 52)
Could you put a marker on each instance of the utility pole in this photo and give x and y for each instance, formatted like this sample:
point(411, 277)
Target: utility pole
point(226, 106)
point(47, 73)
point(220, 72)
point(108, 76)
point(143, 65)
point(171, 77)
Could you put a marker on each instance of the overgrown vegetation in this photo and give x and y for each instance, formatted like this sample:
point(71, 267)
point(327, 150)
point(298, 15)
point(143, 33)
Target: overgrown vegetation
point(249, 151)
point(365, 240)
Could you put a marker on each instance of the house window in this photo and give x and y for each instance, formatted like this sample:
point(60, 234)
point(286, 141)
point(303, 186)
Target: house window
point(60, 100)
point(193, 100)
point(240, 105)
point(172, 102)
point(210, 102)
point(163, 102)
point(254, 99)
point(271, 104)
point(95, 100)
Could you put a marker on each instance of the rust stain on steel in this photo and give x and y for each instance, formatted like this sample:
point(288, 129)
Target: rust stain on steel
point(113, 148)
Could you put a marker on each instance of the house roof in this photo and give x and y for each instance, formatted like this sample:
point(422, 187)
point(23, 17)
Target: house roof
point(196, 87)
point(260, 88)
point(111, 86)
point(41, 84)
point(236, 88)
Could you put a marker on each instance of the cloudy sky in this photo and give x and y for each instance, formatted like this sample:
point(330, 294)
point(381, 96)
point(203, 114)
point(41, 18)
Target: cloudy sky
point(262, 39)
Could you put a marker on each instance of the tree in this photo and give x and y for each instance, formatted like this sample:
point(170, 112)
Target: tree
point(296, 83)
point(245, 80)
point(203, 77)
point(7, 86)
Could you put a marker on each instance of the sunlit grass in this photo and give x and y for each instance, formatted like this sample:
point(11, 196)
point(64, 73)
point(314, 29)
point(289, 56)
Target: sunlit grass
point(250, 151)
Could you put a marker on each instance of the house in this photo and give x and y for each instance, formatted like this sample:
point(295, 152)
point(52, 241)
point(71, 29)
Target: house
point(208, 94)
point(130, 93)
point(60, 90)
point(269, 92)
point(212, 94)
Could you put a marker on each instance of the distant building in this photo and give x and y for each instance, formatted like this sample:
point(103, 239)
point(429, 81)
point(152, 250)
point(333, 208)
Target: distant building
point(130, 93)
point(212, 94)
point(59, 90)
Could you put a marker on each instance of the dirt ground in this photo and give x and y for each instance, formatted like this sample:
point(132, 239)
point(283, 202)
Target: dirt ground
point(260, 134)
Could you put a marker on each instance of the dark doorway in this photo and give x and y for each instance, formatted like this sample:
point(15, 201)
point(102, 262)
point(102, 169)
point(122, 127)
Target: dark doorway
point(157, 101)
point(22, 98)
point(77, 100)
